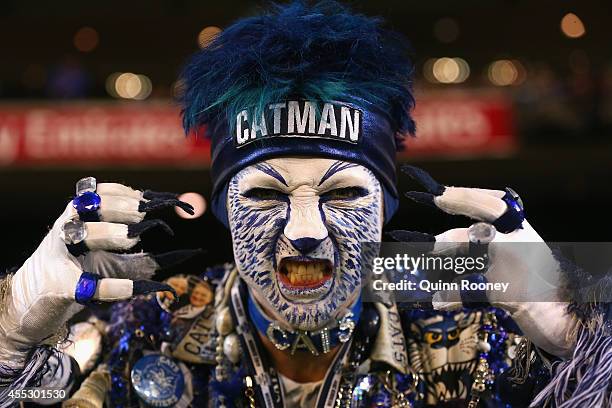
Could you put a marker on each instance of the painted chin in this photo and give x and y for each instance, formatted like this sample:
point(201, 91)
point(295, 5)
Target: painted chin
point(304, 280)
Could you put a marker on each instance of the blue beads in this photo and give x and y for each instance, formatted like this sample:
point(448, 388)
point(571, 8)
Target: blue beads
point(124, 342)
point(118, 390)
point(88, 201)
point(369, 322)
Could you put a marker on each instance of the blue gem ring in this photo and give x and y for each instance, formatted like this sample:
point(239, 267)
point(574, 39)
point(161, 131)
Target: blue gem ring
point(87, 202)
point(514, 216)
point(86, 288)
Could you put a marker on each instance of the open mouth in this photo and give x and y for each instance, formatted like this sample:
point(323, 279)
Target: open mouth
point(304, 273)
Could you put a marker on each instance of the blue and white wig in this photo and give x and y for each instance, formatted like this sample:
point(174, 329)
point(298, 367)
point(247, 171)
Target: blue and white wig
point(311, 52)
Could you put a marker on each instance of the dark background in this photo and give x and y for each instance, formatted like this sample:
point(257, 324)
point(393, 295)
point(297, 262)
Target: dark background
point(563, 107)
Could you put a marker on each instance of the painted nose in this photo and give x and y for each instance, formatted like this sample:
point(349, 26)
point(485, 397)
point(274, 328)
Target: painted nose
point(306, 245)
point(305, 224)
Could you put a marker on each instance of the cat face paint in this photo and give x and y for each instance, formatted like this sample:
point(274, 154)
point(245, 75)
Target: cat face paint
point(297, 225)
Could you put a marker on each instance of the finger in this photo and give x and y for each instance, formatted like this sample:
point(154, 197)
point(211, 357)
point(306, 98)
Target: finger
point(90, 287)
point(120, 209)
point(150, 195)
point(119, 203)
point(472, 296)
point(108, 236)
point(135, 230)
point(133, 266)
point(451, 242)
point(434, 188)
point(425, 241)
point(473, 203)
point(506, 213)
point(110, 290)
point(424, 179)
point(502, 208)
point(129, 210)
point(411, 236)
point(81, 237)
point(421, 198)
point(122, 266)
point(160, 203)
point(493, 193)
point(479, 204)
point(446, 300)
point(120, 190)
point(116, 189)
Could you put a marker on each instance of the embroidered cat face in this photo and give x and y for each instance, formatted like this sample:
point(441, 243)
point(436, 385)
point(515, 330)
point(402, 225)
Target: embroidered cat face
point(297, 225)
point(446, 346)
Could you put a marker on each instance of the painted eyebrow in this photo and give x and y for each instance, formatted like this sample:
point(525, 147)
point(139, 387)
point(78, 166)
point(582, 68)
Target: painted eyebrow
point(271, 171)
point(336, 167)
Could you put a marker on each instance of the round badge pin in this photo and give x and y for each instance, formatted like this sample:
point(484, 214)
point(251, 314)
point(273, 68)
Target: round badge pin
point(158, 380)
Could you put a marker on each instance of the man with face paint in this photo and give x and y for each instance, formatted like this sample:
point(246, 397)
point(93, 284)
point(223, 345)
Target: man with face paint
point(305, 106)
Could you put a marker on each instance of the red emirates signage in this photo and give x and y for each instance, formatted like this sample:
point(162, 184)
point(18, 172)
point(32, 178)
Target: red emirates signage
point(96, 134)
point(151, 134)
point(460, 124)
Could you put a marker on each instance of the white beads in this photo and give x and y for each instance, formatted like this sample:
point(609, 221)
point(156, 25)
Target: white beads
point(231, 348)
point(224, 323)
point(484, 346)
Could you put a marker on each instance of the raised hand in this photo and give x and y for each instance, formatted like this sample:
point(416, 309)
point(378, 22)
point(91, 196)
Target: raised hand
point(73, 266)
point(517, 255)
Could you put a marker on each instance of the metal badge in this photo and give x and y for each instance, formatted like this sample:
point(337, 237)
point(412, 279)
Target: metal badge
point(278, 336)
point(346, 326)
point(302, 341)
point(158, 380)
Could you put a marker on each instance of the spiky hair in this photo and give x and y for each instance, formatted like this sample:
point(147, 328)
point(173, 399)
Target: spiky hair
point(316, 51)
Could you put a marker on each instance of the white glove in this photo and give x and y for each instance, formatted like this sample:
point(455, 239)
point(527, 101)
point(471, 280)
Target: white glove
point(534, 278)
point(41, 294)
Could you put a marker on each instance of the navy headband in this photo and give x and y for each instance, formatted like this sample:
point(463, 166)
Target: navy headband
point(335, 130)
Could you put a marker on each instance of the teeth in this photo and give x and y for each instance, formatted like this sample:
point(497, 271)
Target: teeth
point(304, 274)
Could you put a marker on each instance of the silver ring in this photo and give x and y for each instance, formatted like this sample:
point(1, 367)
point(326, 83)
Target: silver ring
point(481, 233)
